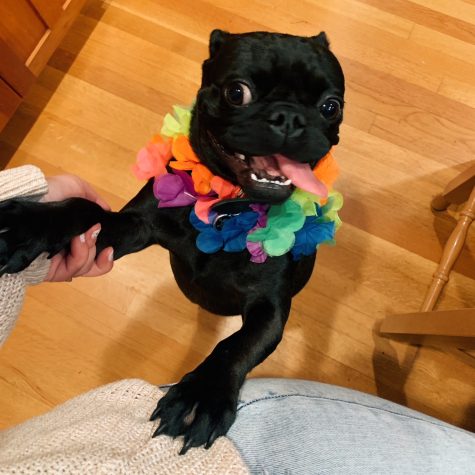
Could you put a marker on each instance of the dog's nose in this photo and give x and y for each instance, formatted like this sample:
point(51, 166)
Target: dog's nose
point(287, 123)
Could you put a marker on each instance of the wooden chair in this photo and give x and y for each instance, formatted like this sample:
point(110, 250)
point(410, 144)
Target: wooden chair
point(451, 330)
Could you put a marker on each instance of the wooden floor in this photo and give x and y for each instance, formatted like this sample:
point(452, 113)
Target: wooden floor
point(409, 128)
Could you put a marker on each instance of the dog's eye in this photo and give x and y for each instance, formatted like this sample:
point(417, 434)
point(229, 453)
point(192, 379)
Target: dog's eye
point(331, 109)
point(238, 94)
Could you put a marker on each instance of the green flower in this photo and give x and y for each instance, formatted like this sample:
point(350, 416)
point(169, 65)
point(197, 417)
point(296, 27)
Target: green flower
point(278, 236)
point(306, 201)
point(178, 123)
point(284, 220)
point(329, 210)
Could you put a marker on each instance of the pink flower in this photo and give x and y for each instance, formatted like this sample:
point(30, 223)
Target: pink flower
point(224, 189)
point(152, 159)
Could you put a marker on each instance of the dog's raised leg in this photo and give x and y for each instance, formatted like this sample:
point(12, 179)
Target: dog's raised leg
point(202, 406)
point(29, 228)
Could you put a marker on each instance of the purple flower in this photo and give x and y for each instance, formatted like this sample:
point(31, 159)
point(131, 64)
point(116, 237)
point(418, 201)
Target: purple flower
point(261, 210)
point(258, 255)
point(174, 189)
point(256, 249)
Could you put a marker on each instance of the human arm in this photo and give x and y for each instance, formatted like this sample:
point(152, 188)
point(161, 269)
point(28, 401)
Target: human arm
point(29, 183)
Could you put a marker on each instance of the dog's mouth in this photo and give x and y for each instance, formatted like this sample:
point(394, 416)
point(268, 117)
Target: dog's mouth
point(270, 178)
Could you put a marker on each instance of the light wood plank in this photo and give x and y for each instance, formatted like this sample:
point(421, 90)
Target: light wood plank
point(445, 44)
point(455, 8)
point(461, 91)
point(428, 16)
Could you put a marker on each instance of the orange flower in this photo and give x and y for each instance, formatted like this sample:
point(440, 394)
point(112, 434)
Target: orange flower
point(224, 188)
point(187, 160)
point(201, 179)
point(183, 153)
point(152, 161)
point(327, 170)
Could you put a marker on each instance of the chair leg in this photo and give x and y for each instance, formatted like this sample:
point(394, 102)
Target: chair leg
point(437, 328)
point(456, 192)
point(451, 252)
point(408, 327)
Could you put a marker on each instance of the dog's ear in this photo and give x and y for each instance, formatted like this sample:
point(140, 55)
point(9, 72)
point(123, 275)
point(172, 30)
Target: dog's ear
point(321, 40)
point(216, 40)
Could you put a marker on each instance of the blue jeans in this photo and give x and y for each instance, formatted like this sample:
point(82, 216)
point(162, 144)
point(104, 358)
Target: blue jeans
point(300, 427)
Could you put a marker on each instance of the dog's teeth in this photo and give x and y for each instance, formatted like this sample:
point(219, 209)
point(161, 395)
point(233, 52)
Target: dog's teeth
point(278, 181)
point(240, 156)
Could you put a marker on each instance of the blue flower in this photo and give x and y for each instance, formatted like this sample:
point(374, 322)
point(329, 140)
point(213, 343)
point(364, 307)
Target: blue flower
point(231, 237)
point(315, 231)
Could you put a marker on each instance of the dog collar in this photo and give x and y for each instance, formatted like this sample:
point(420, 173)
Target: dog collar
point(223, 216)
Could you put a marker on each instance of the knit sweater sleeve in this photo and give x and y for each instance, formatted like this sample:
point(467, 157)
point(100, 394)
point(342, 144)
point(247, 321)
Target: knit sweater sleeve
point(26, 182)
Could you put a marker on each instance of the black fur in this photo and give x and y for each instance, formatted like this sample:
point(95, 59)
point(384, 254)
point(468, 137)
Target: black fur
point(288, 74)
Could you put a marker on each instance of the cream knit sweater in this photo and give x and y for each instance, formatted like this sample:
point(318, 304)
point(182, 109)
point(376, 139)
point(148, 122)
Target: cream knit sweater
point(24, 182)
point(105, 431)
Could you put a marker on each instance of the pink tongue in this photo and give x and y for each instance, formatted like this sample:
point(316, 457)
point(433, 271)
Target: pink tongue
point(301, 175)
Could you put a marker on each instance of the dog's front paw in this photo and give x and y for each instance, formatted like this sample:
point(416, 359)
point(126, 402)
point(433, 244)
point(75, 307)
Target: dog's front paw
point(198, 408)
point(22, 236)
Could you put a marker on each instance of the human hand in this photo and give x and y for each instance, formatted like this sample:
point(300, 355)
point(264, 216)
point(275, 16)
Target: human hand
point(81, 260)
point(61, 187)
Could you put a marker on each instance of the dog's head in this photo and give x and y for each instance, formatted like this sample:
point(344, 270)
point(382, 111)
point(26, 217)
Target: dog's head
point(269, 105)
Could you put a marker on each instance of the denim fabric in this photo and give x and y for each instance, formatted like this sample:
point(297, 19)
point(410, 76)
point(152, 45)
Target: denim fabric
point(302, 427)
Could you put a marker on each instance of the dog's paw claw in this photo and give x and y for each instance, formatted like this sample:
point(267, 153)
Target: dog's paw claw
point(196, 410)
point(212, 439)
point(187, 445)
point(161, 429)
point(155, 414)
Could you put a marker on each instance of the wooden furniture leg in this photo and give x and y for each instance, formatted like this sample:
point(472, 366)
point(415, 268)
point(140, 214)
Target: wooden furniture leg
point(443, 328)
point(451, 252)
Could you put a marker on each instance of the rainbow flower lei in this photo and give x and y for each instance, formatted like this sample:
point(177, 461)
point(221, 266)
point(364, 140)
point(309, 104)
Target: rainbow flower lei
point(298, 225)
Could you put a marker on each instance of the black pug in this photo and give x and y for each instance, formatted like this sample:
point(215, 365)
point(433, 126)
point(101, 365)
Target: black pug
point(262, 94)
